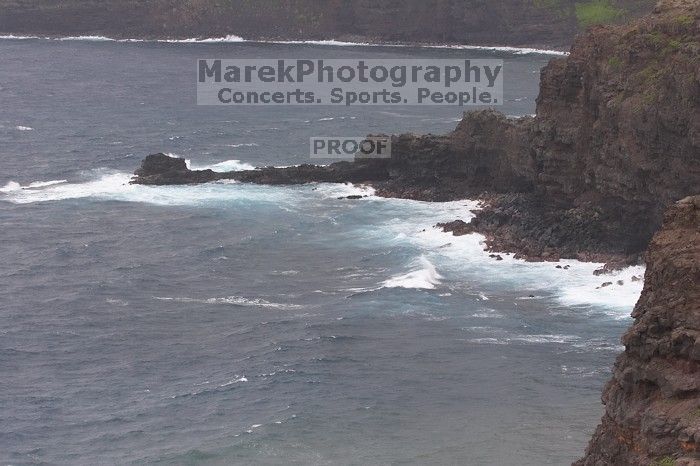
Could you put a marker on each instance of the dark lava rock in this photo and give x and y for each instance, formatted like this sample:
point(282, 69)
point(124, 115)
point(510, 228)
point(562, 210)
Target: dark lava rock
point(652, 401)
point(160, 169)
point(457, 227)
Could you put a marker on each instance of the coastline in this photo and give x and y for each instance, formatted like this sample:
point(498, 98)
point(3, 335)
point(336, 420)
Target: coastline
point(574, 181)
point(580, 284)
point(233, 39)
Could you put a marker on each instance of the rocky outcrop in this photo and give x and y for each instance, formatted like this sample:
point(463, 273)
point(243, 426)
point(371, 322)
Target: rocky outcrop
point(546, 23)
point(161, 169)
point(652, 403)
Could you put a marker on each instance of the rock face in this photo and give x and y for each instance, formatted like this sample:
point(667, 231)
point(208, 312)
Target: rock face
point(652, 403)
point(550, 23)
point(616, 139)
point(626, 105)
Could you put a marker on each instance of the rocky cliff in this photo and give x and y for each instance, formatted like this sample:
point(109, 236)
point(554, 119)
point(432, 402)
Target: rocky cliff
point(616, 139)
point(652, 403)
point(547, 23)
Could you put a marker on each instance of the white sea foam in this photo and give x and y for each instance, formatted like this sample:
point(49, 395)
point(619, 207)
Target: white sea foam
point(586, 289)
point(14, 186)
point(234, 381)
point(576, 285)
point(42, 184)
point(86, 38)
point(245, 144)
point(526, 339)
point(115, 186)
point(232, 300)
point(231, 38)
point(211, 40)
point(221, 167)
point(105, 185)
point(463, 259)
point(514, 50)
point(16, 37)
point(394, 222)
point(11, 186)
point(488, 314)
point(340, 43)
point(331, 42)
point(336, 190)
point(194, 40)
point(425, 276)
point(231, 165)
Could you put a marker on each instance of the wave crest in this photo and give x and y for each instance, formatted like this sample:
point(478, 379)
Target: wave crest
point(425, 276)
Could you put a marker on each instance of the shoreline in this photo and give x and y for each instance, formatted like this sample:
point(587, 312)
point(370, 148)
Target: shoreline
point(233, 39)
point(511, 223)
point(616, 290)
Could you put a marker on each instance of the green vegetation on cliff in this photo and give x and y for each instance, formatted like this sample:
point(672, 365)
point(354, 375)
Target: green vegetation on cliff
point(596, 12)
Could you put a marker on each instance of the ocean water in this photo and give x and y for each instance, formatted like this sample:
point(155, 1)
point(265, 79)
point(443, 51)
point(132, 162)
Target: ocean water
point(236, 324)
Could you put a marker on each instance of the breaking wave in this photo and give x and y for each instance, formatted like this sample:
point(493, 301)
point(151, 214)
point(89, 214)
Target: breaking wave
point(14, 186)
point(232, 165)
point(425, 276)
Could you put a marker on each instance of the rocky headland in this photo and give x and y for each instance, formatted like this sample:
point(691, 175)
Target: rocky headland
point(534, 23)
point(614, 142)
point(652, 403)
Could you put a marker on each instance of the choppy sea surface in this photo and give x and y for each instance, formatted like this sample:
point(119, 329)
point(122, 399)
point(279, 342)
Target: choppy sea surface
point(238, 324)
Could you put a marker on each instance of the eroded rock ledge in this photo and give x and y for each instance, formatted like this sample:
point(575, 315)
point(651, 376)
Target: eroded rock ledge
point(652, 403)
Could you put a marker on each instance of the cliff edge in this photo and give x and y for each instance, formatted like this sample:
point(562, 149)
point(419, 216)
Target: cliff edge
point(652, 403)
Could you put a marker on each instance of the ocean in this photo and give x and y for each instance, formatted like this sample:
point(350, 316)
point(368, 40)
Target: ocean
point(236, 324)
